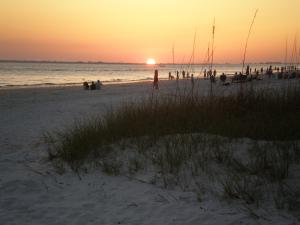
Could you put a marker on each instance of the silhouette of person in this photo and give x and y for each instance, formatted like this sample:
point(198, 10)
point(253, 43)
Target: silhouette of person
point(93, 86)
point(98, 85)
point(86, 85)
point(248, 70)
point(223, 77)
point(155, 82)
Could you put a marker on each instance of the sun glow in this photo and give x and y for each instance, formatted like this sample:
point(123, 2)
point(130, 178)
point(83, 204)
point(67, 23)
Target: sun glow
point(69, 30)
point(151, 61)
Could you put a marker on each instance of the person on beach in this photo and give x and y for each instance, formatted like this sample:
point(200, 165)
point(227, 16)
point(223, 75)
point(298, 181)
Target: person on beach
point(183, 74)
point(205, 74)
point(98, 85)
point(270, 71)
point(209, 74)
point(155, 82)
point(170, 75)
point(212, 79)
point(248, 70)
point(223, 78)
point(177, 75)
point(86, 85)
point(93, 86)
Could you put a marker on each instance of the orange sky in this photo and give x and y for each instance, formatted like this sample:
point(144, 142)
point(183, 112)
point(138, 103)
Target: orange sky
point(134, 30)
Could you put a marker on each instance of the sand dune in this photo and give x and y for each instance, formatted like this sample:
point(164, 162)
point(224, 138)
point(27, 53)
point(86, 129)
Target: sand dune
point(32, 192)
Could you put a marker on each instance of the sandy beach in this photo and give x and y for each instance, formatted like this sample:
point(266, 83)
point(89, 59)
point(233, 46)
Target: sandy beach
point(32, 192)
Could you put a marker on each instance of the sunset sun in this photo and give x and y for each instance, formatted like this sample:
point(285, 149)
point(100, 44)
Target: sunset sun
point(151, 61)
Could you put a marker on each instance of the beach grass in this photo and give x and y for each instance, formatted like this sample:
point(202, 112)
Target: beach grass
point(184, 136)
point(259, 115)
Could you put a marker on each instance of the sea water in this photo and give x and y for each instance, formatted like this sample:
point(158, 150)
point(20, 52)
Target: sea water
point(22, 74)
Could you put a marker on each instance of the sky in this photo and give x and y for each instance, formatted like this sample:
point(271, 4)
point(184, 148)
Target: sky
point(135, 30)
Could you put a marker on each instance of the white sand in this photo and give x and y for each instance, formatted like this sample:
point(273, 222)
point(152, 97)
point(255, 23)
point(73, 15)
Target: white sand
point(31, 192)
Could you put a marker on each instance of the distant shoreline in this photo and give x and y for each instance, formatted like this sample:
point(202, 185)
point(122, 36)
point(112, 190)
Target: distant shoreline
point(120, 63)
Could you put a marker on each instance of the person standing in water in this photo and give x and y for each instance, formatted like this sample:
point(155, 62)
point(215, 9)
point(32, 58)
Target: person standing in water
point(155, 82)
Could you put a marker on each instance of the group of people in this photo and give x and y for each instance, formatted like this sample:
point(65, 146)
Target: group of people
point(211, 74)
point(155, 80)
point(270, 71)
point(185, 75)
point(93, 86)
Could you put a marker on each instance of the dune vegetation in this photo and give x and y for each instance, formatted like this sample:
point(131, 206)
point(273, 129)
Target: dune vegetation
point(246, 143)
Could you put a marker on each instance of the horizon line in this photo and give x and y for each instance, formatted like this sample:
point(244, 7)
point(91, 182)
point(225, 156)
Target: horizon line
point(136, 63)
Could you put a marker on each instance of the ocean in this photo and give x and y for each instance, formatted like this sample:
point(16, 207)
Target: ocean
point(24, 74)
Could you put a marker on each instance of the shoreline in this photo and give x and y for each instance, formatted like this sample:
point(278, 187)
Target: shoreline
point(67, 86)
point(49, 86)
point(162, 81)
point(19, 76)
